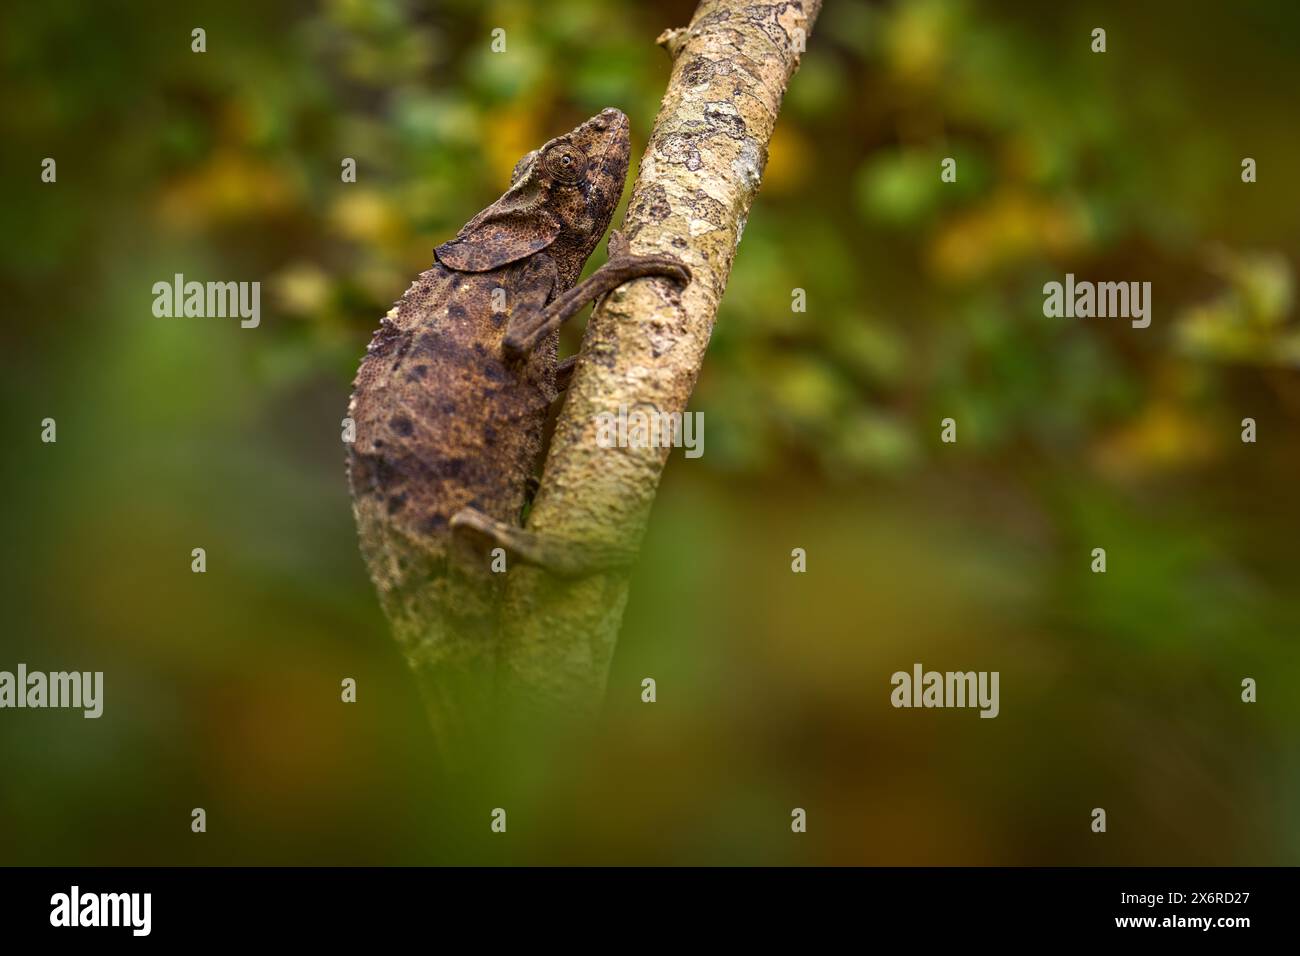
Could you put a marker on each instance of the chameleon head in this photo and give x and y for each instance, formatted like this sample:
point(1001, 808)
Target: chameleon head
point(561, 199)
point(578, 178)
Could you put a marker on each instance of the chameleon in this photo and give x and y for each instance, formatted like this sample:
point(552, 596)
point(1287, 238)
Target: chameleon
point(449, 409)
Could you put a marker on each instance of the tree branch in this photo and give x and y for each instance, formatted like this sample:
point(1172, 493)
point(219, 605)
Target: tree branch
point(645, 343)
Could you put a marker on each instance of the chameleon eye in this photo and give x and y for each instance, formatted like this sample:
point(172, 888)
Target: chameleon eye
point(565, 163)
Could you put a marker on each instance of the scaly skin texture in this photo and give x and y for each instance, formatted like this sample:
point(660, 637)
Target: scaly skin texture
point(450, 403)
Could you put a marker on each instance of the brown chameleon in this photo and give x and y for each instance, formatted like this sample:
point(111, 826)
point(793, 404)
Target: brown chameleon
point(450, 403)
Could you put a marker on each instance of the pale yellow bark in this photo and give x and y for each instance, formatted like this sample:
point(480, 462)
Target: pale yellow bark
point(645, 343)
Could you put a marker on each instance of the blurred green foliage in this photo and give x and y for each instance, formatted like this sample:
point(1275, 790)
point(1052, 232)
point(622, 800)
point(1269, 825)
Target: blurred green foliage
point(822, 431)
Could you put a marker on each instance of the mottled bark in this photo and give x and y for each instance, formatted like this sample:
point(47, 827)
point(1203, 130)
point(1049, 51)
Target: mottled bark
point(646, 341)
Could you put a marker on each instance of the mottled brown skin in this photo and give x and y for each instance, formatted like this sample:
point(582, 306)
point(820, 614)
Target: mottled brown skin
point(450, 404)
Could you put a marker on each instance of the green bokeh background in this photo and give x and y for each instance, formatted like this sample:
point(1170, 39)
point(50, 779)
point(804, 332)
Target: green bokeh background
point(1119, 690)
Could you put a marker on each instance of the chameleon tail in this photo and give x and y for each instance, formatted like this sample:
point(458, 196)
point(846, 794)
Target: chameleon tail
point(453, 661)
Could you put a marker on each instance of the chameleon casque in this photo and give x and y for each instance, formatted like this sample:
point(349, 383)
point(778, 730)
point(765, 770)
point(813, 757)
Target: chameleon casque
point(450, 405)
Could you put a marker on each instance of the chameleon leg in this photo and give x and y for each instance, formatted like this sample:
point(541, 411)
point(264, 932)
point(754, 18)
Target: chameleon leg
point(528, 327)
point(560, 556)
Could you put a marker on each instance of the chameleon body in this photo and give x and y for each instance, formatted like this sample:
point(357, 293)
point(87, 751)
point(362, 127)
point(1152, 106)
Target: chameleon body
point(450, 404)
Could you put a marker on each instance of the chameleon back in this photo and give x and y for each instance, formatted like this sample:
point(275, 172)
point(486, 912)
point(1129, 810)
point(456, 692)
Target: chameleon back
point(443, 423)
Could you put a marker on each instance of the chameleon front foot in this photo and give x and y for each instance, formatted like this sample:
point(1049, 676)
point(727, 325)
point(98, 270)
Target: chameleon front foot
point(562, 557)
point(528, 327)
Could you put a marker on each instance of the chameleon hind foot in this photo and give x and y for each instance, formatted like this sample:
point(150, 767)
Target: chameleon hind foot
point(562, 557)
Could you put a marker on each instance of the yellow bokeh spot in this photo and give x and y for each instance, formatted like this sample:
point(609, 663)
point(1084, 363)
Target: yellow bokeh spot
point(1011, 227)
point(230, 186)
point(787, 160)
point(1163, 437)
point(302, 289)
point(915, 39)
point(514, 133)
point(366, 216)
